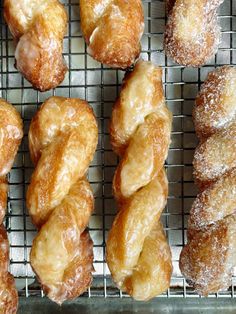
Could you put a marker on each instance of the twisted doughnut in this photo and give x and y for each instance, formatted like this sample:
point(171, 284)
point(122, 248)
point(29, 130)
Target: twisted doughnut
point(192, 33)
point(8, 292)
point(208, 259)
point(11, 133)
point(38, 27)
point(62, 140)
point(138, 255)
point(112, 30)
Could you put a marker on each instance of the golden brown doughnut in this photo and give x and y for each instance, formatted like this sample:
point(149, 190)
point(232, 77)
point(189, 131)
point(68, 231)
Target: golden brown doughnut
point(8, 292)
point(62, 139)
point(192, 33)
point(11, 133)
point(208, 259)
point(138, 254)
point(112, 30)
point(39, 28)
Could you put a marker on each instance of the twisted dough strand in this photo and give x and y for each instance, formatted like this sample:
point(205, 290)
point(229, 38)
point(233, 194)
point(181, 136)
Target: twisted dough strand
point(112, 30)
point(11, 133)
point(138, 255)
point(192, 33)
point(62, 139)
point(208, 259)
point(39, 27)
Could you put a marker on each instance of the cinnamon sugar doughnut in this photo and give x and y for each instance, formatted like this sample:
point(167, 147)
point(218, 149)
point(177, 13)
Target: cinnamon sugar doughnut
point(192, 33)
point(208, 259)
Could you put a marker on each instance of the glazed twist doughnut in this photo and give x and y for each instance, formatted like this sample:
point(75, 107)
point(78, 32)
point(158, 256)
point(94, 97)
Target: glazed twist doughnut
point(8, 292)
point(138, 255)
point(38, 27)
point(113, 30)
point(208, 259)
point(11, 133)
point(192, 33)
point(62, 140)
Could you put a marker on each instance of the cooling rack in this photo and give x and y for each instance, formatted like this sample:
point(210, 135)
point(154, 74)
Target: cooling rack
point(100, 86)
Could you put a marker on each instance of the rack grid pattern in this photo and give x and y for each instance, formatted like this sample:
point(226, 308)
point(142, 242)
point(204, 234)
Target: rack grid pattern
point(100, 86)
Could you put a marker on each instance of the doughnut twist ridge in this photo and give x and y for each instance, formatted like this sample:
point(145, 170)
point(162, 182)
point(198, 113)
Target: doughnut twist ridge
point(192, 33)
point(113, 30)
point(11, 133)
point(208, 259)
point(38, 27)
point(62, 140)
point(138, 255)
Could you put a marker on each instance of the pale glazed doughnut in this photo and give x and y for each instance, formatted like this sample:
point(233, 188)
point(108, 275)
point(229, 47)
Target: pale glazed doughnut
point(38, 27)
point(11, 133)
point(113, 30)
point(62, 139)
point(138, 254)
point(8, 292)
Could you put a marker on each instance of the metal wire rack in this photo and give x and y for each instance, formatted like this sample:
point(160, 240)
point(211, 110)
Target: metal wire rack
point(100, 85)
